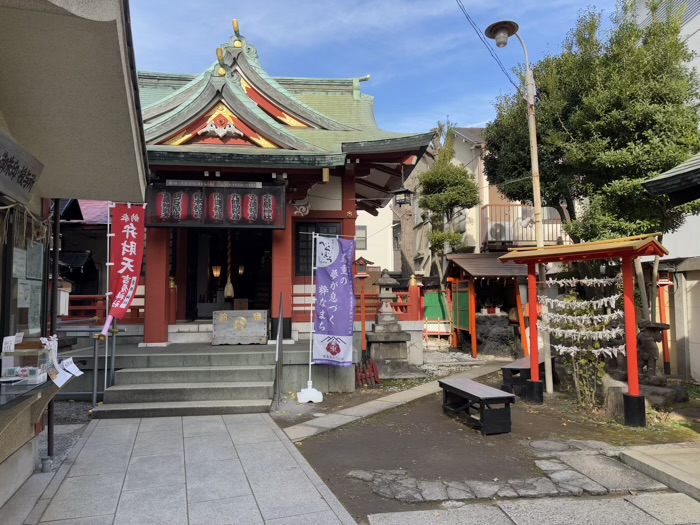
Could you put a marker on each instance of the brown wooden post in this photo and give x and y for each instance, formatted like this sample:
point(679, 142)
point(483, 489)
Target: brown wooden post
point(156, 302)
point(664, 334)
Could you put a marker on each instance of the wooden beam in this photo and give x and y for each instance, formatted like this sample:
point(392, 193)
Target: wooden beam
point(372, 186)
point(369, 209)
point(381, 167)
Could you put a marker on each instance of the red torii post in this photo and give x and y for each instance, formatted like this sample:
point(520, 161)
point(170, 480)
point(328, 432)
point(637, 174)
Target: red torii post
point(627, 249)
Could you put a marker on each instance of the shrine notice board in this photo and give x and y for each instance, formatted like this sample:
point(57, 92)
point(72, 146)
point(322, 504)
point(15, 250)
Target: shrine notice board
point(240, 327)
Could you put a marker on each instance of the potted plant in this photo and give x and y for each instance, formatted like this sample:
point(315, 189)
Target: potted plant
point(490, 308)
point(497, 308)
point(484, 310)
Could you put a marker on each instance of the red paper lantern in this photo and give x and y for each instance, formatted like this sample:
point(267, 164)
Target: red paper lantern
point(180, 206)
point(268, 208)
point(216, 207)
point(197, 205)
point(250, 207)
point(163, 206)
point(234, 207)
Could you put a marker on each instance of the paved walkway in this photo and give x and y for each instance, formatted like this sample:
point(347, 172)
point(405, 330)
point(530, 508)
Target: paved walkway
point(232, 469)
point(337, 419)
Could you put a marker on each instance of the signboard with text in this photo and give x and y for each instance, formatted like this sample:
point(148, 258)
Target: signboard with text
point(19, 170)
point(335, 302)
point(127, 255)
point(229, 204)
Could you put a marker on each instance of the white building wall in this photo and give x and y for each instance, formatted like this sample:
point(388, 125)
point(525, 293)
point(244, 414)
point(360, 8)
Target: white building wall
point(380, 237)
point(693, 296)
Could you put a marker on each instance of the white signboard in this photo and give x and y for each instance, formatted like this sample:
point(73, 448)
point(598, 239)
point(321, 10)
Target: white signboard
point(19, 170)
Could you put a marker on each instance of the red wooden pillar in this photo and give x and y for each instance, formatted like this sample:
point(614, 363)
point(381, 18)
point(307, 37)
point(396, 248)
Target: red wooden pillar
point(414, 303)
point(664, 333)
point(283, 274)
point(472, 317)
point(349, 207)
point(635, 413)
point(535, 391)
point(157, 290)
point(181, 274)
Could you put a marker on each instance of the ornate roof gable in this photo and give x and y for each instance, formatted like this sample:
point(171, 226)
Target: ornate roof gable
point(234, 103)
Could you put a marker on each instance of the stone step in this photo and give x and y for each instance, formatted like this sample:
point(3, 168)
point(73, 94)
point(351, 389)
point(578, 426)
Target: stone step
point(190, 337)
point(145, 360)
point(188, 392)
point(181, 408)
point(194, 374)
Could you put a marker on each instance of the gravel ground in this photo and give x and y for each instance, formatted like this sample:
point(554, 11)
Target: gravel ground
point(70, 419)
point(71, 412)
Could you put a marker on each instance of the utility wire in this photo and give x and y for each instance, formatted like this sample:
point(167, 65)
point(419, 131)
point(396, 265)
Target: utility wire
point(490, 49)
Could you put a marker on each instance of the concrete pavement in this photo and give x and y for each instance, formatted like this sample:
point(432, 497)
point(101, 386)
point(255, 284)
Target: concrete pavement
point(231, 469)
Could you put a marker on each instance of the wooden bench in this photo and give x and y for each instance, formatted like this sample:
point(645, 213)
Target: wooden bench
point(482, 407)
point(516, 374)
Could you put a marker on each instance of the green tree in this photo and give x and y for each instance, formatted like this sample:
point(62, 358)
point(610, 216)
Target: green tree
point(614, 109)
point(444, 189)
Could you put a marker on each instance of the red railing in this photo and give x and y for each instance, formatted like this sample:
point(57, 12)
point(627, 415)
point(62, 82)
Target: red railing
point(87, 306)
point(404, 309)
point(515, 224)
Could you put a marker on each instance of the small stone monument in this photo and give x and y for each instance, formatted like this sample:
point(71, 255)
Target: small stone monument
point(387, 342)
point(647, 349)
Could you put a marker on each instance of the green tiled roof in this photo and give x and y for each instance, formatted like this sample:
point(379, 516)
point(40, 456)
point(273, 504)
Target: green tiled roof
point(156, 86)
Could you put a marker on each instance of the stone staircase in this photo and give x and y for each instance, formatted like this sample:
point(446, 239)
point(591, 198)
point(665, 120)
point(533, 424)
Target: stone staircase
point(183, 384)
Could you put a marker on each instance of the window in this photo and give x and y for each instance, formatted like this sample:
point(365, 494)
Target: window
point(361, 237)
point(303, 242)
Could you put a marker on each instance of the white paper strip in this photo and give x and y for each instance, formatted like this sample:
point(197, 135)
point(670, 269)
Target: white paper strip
point(585, 281)
point(579, 304)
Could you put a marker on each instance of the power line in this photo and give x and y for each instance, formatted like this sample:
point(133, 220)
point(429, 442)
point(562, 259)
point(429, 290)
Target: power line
point(490, 49)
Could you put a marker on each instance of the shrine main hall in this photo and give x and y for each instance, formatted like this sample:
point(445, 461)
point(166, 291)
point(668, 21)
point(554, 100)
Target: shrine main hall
point(243, 168)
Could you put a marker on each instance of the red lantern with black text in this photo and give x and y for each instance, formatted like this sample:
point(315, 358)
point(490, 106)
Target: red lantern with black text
point(163, 206)
point(234, 207)
point(268, 208)
point(180, 206)
point(216, 207)
point(197, 205)
point(250, 207)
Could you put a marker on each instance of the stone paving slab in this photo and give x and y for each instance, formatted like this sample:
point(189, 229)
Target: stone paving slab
point(93, 520)
point(367, 409)
point(229, 511)
point(612, 474)
point(678, 466)
point(558, 511)
point(216, 480)
point(316, 518)
point(331, 421)
point(85, 496)
point(671, 509)
point(155, 471)
point(467, 515)
point(155, 506)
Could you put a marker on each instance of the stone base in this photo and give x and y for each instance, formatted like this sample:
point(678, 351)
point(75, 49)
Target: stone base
point(534, 392)
point(635, 411)
point(16, 469)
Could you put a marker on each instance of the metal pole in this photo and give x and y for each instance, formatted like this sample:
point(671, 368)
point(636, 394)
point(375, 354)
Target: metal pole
point(95, 370)
point(115, 331)
point(108, 291)
point(54, 312)
point(537, 201)
point(312, 303)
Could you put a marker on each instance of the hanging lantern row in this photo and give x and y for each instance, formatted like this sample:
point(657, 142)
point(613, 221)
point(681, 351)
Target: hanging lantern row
point(217, 207)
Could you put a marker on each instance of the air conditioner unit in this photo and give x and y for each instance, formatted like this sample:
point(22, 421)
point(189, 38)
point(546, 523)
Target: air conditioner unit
point(500, 232)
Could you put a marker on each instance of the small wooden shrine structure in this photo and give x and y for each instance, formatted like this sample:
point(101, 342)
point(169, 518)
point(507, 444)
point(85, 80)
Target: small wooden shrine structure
point(626, 249)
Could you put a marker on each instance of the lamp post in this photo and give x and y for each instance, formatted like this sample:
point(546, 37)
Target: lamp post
point(501, 32)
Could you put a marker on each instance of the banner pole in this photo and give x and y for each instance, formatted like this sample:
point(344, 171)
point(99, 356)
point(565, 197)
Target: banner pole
point(313, 304)
point(310, 394)
point(107, 290)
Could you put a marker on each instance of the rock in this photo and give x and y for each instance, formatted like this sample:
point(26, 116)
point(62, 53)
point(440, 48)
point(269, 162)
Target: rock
point(382, 489)
point(612, 390)
point(361, 475)
point(432, 490)
point(454, 493)
point(550, 465)
point(533, 487)
point(409, 483)
point(658, 396)
point(576, 483)
point(689, 414)
point(549, 446)
point(591, 444)
point(682, 395)
point(392, 472)
point(507, 492)
point(453, 504)
point(483, 489)
point(407, 495)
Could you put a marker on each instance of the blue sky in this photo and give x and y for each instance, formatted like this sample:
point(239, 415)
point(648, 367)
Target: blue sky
point(424, 59)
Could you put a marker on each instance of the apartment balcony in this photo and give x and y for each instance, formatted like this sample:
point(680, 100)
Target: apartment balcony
point(513, 225)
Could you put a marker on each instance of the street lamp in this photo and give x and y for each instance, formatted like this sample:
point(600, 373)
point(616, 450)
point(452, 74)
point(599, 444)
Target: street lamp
point(501, 32)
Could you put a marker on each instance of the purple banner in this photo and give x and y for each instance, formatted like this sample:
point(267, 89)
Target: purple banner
point(335, 302)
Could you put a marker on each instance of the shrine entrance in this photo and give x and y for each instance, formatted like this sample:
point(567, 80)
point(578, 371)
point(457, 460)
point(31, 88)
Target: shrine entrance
point(209, 267)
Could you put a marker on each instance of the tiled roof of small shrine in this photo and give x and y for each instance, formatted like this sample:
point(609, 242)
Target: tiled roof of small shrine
point(236, 103)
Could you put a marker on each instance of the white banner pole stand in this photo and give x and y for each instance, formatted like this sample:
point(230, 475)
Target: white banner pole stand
point(310, 394)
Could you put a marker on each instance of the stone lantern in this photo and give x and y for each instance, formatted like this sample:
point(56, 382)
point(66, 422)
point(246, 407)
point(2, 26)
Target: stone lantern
point(386, 285)
point(388, 343)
